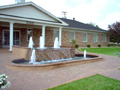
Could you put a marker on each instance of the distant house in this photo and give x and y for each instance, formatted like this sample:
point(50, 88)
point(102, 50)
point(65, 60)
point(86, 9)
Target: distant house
point(20, 21)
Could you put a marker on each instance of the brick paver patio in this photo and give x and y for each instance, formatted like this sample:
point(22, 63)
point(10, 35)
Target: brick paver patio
point(40, 80)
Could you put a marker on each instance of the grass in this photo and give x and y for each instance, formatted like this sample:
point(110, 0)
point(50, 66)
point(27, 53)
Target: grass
point(95, 82)
point(118, 68)
point(112, 51)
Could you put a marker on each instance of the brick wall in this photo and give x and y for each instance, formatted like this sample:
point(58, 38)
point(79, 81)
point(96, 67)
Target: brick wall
point(65, 37)
point(49, 38)
point(23, 41)
point(79, 39)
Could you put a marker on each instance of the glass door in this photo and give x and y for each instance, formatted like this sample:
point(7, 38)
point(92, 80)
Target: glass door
point(6, 38)
point(16, 38)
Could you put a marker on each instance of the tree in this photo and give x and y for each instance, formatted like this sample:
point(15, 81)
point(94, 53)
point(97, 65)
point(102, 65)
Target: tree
point(114, 30)
point(92, 24)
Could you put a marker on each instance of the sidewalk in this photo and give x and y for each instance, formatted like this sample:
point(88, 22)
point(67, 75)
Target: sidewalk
point(40, 80)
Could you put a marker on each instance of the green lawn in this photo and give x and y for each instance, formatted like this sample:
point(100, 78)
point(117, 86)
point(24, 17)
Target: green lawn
point(113, 51)
point(95, 82)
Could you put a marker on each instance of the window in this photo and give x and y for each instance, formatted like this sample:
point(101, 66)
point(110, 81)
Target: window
point(104, 38)
point(84, 37)
point(72, 35)
point(55, 34)
point(95, 37)
point(29, 34)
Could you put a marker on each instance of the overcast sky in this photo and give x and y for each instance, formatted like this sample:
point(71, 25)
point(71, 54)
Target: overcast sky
point(100, 12)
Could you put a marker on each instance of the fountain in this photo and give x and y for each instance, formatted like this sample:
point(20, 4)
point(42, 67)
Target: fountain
point(30, 45)
point(84, 54)
point(56, 43)
point(48, 58)
point(33, 57)
point(41, 42)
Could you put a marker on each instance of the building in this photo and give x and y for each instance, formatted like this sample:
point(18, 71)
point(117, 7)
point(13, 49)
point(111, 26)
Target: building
point(20, 21)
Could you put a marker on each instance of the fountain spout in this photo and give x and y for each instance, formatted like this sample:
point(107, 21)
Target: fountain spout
point(30, 45)
point(33, 57)
point(56, 43)
point(84, 54)
point(41, 43)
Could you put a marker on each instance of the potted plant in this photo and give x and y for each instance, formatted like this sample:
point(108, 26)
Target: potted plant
point(73, 42)
point(3, 82)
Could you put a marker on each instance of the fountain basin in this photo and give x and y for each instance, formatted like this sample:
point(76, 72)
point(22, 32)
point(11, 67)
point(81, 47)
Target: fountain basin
point(44, 53)
point(17, 64)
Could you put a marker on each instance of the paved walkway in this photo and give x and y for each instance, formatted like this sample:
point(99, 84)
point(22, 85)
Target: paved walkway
point(40, 80)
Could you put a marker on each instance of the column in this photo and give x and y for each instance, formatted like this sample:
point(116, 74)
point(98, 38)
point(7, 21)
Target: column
point(11, 36)
point(43, 34)
point(60, 35)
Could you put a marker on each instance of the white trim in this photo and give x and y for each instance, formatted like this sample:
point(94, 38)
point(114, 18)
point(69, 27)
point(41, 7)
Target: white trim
point(86, 37)
point(36, 22)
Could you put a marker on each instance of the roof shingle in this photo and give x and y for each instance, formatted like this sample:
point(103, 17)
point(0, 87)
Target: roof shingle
point(80, 25)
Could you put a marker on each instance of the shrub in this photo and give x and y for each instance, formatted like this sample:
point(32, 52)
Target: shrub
point(88, 45)
point(73, 41)
point(99, 45)
point(76, 46)
point(108, 45)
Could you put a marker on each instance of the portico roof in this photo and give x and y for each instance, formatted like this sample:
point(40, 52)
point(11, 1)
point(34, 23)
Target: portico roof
point(29, 11)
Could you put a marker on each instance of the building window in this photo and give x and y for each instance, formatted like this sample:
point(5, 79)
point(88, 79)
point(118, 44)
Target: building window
point(29, 34)
point(84, 37)
point(72, 35)
point(95, 37)
point(55, 34)
point(104, 38)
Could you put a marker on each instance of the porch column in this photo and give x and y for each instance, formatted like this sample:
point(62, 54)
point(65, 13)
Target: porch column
point(11, 36)
point(60, 35)
point(43, 34)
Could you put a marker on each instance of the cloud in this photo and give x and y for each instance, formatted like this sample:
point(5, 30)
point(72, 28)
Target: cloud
point(100, 12)
point(110, 18)
point(6, 2)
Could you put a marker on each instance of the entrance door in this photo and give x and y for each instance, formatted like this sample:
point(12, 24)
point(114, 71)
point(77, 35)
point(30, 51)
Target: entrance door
point(16, 38)
point(6, 38)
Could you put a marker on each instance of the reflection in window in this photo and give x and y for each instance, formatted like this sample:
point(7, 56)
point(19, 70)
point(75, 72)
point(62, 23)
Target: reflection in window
point(104, 38)
point(84, 37)
point(95, 37)
point(72, 35)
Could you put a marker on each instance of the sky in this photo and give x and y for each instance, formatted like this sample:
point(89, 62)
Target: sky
point(99, 12)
